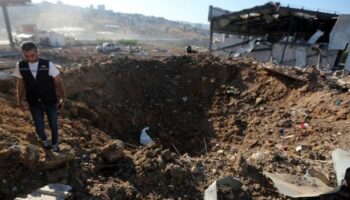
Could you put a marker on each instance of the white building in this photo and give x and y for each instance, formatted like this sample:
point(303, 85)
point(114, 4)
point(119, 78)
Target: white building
point(49, 38)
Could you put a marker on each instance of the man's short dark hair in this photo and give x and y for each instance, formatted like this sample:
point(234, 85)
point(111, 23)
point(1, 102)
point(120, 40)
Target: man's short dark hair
point(28, 46)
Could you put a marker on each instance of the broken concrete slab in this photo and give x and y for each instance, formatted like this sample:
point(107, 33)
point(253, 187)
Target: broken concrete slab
point(341, 160)
point(211, 192)
point(297, 187)
point(318, 173)
point(37, 197)
point(314, 183)
point(55, 191)
point(275, 70)
point(340, 35)
point(112, 152)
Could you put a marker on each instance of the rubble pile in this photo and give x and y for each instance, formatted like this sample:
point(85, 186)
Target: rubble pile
point(209, 118)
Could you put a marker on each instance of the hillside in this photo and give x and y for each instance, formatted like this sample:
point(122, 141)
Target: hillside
point(90, 23)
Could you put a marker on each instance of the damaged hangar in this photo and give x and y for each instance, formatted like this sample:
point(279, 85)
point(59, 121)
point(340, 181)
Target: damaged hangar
point(285, 35)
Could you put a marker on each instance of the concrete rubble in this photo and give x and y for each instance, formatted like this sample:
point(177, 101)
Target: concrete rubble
point(52, 191)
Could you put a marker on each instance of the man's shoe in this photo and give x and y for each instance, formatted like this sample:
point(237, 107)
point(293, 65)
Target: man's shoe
point(55, 148)
point(46, 144)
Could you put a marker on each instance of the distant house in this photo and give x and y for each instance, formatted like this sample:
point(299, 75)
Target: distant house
point(29, 28)
point(50, 38)
point(24, 37)
point(70, 41)
point(29, 32)
point(112, 26)
point(101, 7)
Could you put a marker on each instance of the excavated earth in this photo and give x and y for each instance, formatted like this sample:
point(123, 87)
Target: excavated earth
point(209, 117)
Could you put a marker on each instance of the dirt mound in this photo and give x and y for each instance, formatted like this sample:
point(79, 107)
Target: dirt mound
point(209, 118)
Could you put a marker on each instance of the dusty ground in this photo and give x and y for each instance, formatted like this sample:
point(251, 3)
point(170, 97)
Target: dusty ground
point(224, 117)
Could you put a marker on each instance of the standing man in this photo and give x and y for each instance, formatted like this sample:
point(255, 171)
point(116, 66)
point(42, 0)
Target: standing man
point(38, 79)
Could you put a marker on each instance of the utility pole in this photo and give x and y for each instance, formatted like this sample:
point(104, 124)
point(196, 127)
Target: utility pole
point(4, 4)
point(7, 23)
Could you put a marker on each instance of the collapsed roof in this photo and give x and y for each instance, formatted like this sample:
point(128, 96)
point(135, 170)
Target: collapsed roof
point(273, 20)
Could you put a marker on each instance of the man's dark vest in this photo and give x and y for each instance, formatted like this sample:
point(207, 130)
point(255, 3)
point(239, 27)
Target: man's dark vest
point(40, 89)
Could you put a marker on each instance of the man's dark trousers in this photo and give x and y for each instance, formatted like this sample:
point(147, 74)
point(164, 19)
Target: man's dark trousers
point(38, 112)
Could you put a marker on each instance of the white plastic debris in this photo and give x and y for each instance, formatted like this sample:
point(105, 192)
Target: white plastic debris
point(299, 148)
point(55, 191)
point(145, 139)
point(220, 151)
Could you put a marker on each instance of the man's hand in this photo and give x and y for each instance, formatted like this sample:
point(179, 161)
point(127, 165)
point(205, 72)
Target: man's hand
point(21, 107)
point(59, 86)
point(20, 93)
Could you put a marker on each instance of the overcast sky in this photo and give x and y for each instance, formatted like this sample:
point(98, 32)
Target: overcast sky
point(196, 11)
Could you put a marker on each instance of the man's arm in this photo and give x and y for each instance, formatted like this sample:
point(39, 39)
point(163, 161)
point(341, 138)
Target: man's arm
point(20, 93)
point(60, 88)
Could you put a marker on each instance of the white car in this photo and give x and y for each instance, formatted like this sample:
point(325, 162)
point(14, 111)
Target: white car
point(107, 47)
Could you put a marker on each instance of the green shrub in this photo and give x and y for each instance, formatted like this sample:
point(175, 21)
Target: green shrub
point(128, 42)
point(101, 41)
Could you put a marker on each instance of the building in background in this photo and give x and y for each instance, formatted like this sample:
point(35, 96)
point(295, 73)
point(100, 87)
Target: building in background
point(29, 32)
point(101, 7)
point(285, 35)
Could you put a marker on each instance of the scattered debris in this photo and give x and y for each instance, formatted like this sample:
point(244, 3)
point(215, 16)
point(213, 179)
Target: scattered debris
point(189, 50)
point(315, 182)
point(212, 192)
point(55, 191)
point(297, 187)
point(318, 173)
point(298, 148)
point(282, 131)
point(304, 125)
point(338, 102)
point(220, 151)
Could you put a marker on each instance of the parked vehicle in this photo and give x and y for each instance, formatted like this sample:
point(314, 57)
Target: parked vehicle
point(107, 47)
